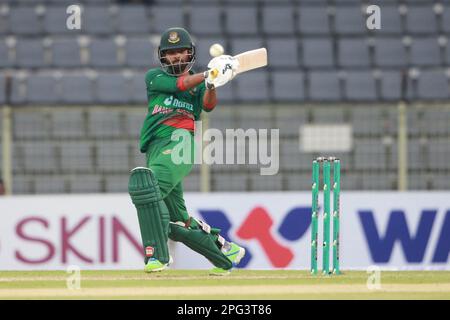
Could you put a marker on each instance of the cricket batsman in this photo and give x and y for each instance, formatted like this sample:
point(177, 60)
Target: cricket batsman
point(176, 97)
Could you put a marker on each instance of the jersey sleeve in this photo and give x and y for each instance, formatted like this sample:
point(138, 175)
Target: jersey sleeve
point(158, 81)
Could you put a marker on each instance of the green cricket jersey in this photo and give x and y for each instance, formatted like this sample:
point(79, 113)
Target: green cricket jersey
point(169, 108)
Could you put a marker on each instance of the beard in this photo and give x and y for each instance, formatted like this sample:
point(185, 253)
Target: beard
point(178, 67)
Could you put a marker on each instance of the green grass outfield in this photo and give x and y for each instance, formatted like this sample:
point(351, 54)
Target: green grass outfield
point(241, 284)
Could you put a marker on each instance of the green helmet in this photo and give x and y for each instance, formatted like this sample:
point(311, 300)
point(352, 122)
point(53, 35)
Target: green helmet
point(176, 38)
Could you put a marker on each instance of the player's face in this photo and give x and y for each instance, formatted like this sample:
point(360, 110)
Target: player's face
point(175, 56)
point(178, 60)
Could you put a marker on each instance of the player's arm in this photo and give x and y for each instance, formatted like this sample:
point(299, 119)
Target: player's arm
point(190, 81)
point(209, 99)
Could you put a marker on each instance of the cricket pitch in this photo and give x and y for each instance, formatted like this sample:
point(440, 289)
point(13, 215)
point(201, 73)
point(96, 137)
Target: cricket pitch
point(241, 284)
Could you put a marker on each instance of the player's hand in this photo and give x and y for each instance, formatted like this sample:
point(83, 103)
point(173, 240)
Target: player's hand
point(221, 69)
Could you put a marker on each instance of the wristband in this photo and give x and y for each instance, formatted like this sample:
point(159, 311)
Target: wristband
point(210, 86)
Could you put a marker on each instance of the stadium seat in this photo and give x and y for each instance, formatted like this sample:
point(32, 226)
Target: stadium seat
point(390, 85)
point(447, 53)
point(112, 156)
point(367, 121)
point(291, 158)
point(433, 85)
point(288, 120)
point(414, 121)
point(140, 53)
point(288, 86)
point(55, 21)
point(326, 114)
point(23, 184)
point(391, 21)
point(440, 181)
point(298, 182)
point(273, 15)
point(39, 156)
point(138, 159)
point(224, 118)
point(317, 53)
point(369, 154)
point(76, 157)
point(205, 20)
point(202, 50)
point(421, 20)
point(66, 53)
point(30, 125)
point(77, 89)
point(133, 123)
point(4, 20)
point(103, 53)
point(97, 20)
point(227, 182)
point(324, 86)
point(68, 123)
point(440, 118)
point(104, 124)
point(360, 86)
point(378, 181)
point(417, 154)
point(418, 181)
point(266, 183)
point(425, 52)
point(86, 183)
point(192, 183)
point(349, 20)
point(18, 94)
point(49, 184)
point(136, 14)
point(439, 148)
point(5, 60)
point(24, 21)
point(389, 52)
point(313, 20)
point(116, 183)
point(353, 53)
point(30, 53)
point(351, 182)
point(241, 20)
point(251, 118)
point(283, 52)
point(165, 17)
point(445, 24)
point(138, 88)
point(2, 90)
point(226, 94)
point(252, 87)
point(239, 45)
point(42, 89)
point(112, 88)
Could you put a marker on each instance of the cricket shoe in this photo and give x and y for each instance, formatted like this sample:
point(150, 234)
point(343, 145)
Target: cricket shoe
point(235, 255)
point(154, 265)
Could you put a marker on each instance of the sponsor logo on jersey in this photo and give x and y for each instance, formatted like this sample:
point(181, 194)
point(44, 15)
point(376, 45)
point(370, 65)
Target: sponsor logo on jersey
point(160, 109)
point(174, 102)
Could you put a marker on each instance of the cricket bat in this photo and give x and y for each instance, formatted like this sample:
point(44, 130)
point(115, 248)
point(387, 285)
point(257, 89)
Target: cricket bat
point(252, 59)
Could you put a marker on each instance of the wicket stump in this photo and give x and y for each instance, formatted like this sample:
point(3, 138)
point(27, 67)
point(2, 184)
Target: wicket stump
point(326, 165)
